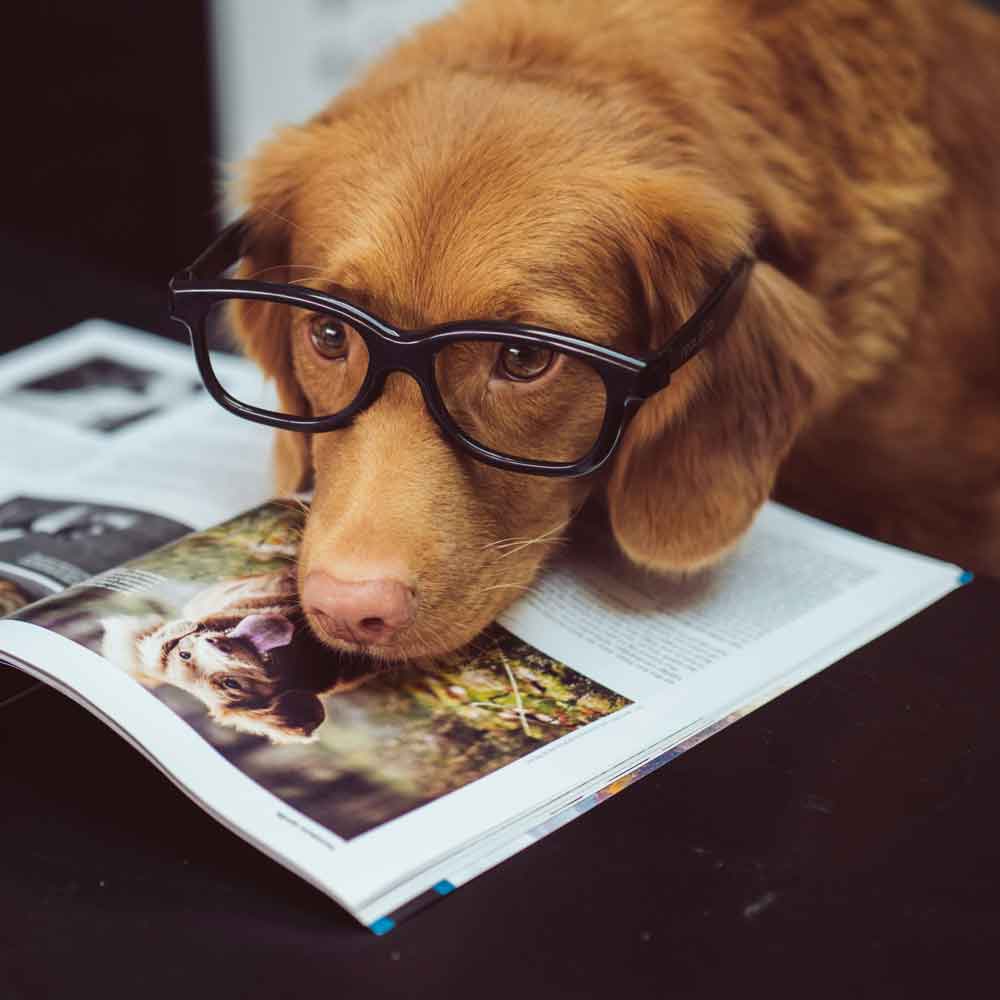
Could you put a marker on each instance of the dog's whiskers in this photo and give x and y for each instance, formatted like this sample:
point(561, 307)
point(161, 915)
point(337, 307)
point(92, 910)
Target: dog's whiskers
point(500, 543)
point(516, 542)
point(505, 586)
point(545, 536)
point(524, 543)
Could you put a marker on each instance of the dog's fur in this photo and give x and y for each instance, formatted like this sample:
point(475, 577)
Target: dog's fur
point(235, 631)
point(594, 166)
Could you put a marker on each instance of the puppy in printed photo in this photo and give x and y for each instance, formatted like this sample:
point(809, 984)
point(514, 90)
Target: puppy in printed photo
point(241, 648)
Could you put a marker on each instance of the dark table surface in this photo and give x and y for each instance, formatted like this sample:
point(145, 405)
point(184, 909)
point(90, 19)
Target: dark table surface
point(841, 841)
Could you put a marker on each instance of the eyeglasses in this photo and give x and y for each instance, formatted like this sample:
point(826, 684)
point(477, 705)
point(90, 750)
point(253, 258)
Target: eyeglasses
point(516, 397)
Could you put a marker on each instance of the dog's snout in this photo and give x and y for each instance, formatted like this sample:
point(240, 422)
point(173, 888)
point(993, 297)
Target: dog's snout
point(369, 612)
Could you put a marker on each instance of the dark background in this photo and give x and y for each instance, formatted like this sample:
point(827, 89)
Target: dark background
point(108, 149)
point(108, 159)
point(842, 841)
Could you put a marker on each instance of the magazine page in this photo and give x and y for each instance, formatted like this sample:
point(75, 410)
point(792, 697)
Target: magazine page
point(793, 585)
point(379, 792)
point(110, 448)
point(106, 438)
point(111, 415)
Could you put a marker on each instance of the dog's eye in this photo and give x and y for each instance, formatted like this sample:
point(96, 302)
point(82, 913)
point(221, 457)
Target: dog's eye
point(329, 337)
point(222, 646)
point(522, 364)
point(232, 684)
point(184, 654)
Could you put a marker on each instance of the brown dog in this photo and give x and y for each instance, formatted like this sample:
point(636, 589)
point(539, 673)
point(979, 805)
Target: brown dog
point(594, 166)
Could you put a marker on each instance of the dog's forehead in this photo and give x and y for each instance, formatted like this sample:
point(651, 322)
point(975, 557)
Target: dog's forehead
point(456, 274)
point(434, 243)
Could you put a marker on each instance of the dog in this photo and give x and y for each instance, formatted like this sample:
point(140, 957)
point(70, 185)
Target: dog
point(594, 166)
point(236, 649)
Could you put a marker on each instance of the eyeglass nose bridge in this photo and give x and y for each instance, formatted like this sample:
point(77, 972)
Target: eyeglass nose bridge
point(387, 356)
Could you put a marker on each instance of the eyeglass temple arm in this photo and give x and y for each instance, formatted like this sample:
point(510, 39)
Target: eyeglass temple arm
point(221, 255)
point(711, 319)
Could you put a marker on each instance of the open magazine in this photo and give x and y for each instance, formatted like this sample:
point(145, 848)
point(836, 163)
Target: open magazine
point(389, 788)
point(109, 448)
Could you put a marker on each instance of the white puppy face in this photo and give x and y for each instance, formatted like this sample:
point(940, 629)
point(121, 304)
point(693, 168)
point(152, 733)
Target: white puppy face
point(232, 673)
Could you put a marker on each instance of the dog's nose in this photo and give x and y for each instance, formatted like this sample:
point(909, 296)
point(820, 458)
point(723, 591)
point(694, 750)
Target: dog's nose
point(368, 612)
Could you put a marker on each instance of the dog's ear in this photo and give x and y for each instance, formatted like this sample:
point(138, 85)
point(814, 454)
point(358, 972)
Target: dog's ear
point(267, 185)
point(701, 456)
point(265, 631)
point(293, 717)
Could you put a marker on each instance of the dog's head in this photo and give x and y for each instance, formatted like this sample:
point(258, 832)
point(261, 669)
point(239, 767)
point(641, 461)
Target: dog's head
point(239, 676)
point(445, 199)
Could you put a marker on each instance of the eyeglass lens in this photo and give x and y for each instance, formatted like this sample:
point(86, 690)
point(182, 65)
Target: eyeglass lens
point(526, 401)
point(529, 402)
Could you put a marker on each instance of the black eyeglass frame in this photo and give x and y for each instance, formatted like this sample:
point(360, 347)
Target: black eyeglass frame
point(628, 380)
